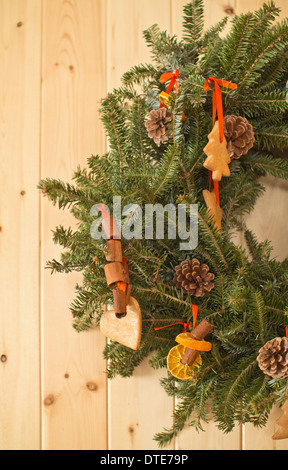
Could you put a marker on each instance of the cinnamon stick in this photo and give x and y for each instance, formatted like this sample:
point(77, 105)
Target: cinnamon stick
point(113, 273)
point(120, 302)
point(114, 250)
point(110, 228)
point(201, 330)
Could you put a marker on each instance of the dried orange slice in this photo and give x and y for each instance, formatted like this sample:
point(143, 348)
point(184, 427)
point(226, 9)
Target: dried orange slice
point(175, 366)
point(190, 342)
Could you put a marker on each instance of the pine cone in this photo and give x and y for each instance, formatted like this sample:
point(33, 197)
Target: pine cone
point(239, 135)
point(156, 125)
point(193, 278)
point(273, 358)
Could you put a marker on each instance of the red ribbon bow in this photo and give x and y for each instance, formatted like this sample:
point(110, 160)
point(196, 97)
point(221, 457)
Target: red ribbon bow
point(217, 100)
point(173, 77)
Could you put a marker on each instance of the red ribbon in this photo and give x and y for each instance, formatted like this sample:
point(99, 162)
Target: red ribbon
point(194, 314)
point(172, 324)
point(173, 77)
point(217, 100)
point(218, 109)
point(104, 212)
point(121, 286)
point(216, 188)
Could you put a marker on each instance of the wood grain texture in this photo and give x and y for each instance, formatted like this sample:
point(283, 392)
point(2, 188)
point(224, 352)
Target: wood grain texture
point(215, 10)
point(20, 55)
point(212, 438)
point(53, 388)
point(74, 79)
point(268, 222)
point(138, 406)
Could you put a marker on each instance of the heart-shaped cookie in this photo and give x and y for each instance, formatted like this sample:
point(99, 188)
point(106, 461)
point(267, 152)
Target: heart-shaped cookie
point(125, 330)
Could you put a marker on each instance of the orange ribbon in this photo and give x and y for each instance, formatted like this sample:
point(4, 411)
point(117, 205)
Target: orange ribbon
point(216, 188)
point(218, 109)
point(173, 77)
point(217, 100)
point(286, 331)
point(104, 212)
point(194, 314)
point(121, 286)
point(172, 324)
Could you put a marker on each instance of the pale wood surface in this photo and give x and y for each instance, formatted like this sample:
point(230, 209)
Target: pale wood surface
point(212, 438)
point(74, 75)
point(268, 221)
point(57, 59)
point(20, 56)
point(132, 426)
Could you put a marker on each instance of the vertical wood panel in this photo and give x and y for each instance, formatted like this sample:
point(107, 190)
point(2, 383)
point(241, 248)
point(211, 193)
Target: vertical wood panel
point(87, 45)
point(74, 79)
point(20, 40)
point(212, 438)
point(268, 221)
point(138, 406)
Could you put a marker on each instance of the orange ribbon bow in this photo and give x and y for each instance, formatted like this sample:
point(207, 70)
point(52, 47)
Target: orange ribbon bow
point(173, 77)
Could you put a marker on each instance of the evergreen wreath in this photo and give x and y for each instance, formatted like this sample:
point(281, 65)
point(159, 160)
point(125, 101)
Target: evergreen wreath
point(248, 304)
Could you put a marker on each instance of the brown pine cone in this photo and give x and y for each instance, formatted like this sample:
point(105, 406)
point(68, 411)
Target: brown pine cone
point(193, 278)
point(239, 135)
point(156, 125)
point(273, 358)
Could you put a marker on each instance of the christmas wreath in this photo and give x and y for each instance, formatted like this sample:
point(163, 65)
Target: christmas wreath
point(196, 128)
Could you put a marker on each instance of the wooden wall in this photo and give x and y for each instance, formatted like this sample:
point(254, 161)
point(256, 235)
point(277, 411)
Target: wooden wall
point(57, 59)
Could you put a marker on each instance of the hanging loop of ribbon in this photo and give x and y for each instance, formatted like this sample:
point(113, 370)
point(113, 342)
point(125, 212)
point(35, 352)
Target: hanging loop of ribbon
point(104, 212)
point(194, 314)
point(216, 188)
point(172, 324)
point(218, 110)
point(217, 99)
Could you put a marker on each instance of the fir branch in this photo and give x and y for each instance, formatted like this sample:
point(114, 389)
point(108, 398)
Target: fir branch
point(193, 22)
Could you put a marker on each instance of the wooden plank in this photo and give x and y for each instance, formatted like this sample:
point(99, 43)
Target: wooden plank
point(242, 6)
point(20, 25)
point(138, 409)
point(126, 46)
point(212, 438)
point(74, 79)
point(268, 221)
point(138, 406)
